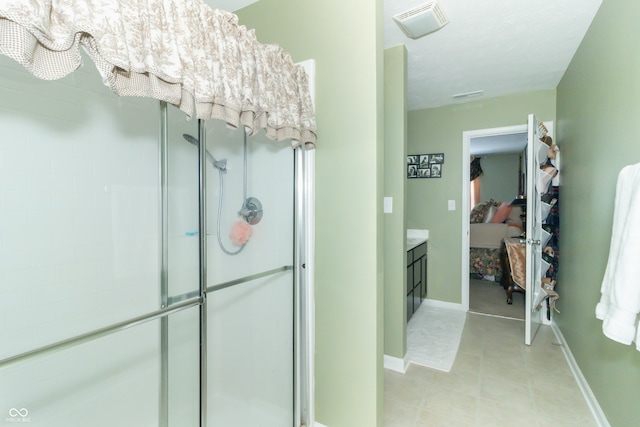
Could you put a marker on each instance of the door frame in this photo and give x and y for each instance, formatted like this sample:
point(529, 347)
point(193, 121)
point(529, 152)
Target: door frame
point(466, 142)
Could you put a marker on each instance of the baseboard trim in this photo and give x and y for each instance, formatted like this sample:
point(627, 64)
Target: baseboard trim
point(589, 397)
point(443, 304)
point(396, 364)
point(317, 424)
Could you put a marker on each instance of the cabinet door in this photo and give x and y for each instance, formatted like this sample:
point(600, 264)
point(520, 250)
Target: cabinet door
point(424, 276)
point(417, 298)
point(409, 289)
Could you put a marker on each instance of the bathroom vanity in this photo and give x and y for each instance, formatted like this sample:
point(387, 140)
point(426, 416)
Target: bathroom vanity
point(417, 243)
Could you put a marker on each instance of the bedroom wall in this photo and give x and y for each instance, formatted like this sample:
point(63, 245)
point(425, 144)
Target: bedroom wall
point(439, 130)
point(500, 179)
point(598, 128)
point(349, 184)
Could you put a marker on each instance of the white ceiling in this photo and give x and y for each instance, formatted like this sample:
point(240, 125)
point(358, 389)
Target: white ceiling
point(229, 5)
point(498, 46)
point(498, 144)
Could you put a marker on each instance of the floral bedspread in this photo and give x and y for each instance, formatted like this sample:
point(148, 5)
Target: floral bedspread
point(485, 262)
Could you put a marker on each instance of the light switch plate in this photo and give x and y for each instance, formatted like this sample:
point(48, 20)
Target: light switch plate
point(452, 205)
point(388, 205)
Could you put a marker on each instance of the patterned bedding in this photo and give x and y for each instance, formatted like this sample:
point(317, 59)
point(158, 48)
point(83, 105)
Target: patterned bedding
point(485, 262)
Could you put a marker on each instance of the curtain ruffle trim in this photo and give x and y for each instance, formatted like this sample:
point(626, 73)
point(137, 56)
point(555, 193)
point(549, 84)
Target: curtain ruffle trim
point(185, 53)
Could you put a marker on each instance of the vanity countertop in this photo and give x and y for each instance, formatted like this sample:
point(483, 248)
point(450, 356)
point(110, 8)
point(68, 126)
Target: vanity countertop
point(416, 237)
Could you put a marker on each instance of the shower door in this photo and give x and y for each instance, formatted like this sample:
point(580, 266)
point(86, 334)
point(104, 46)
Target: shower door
point(246, 359)
point(250, 286)
point(105, 319)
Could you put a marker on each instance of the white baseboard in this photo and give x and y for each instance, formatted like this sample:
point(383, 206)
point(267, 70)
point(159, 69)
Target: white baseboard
point(317, 424)
point(589, 397)
point(443, 304)
point(396, 364)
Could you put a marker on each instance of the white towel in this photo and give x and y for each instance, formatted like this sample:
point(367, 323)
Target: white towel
point(620, 301)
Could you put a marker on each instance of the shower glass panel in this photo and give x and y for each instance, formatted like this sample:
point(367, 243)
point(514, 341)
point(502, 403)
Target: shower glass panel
point(100, 237)
point(80, 250)
point(250, 340)
point(78, 207)
point(112, 381)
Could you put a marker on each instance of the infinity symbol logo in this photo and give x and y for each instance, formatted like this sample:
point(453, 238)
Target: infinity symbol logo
point(13, 412)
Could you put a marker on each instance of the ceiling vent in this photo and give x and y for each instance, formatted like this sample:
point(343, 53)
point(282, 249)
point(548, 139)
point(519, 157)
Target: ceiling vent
point(421, 20)
point(467, 95)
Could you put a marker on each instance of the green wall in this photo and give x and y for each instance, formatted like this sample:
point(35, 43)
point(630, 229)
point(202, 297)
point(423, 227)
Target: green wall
point(439, 130)
point(395, 149)
point(500, 179)
point(349, 176)
point(598, 129)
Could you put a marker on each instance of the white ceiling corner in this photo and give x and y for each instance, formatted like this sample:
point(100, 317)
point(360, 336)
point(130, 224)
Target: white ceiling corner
point(499, 46)
point(498, 144)
point(229, 5)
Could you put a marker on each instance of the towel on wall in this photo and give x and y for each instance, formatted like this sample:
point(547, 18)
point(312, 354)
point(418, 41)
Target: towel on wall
point(620, 301)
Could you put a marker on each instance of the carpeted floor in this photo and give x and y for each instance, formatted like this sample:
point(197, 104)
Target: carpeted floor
point(490, 298)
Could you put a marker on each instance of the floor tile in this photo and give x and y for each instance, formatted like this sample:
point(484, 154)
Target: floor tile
point(430, 419)
point(495, 381)
point(398, 414)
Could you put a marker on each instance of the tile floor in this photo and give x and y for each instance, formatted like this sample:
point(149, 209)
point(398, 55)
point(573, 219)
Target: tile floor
point(496, 381)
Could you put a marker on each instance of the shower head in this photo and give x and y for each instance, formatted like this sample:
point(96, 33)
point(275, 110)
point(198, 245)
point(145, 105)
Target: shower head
point(190, 139)
point(221, 165)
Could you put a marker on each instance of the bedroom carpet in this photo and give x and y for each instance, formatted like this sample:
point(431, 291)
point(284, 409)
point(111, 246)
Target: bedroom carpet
point(490, 298)
point(433, 337)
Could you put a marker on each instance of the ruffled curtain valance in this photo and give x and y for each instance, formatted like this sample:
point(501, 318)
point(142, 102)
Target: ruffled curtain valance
point(179, 51)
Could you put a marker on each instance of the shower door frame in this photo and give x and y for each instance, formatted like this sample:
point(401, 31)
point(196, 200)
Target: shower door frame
point(303, 272)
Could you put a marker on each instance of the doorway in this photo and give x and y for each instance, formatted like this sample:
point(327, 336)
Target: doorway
point(498, 148)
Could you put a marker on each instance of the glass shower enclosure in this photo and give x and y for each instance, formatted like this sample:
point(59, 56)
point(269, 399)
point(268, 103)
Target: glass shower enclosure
point(151, 267)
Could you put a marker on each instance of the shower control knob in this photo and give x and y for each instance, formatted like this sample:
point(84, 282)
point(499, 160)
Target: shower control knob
point(251, 210)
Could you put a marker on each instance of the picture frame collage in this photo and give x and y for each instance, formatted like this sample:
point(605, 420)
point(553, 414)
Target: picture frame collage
point(425, 165)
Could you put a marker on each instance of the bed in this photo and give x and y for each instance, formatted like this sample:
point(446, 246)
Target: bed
point(490, 223)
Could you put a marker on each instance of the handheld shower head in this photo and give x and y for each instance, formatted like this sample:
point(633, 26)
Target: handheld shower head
point(221, 165)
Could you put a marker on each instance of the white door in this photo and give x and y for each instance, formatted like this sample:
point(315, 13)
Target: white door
point(533, 293)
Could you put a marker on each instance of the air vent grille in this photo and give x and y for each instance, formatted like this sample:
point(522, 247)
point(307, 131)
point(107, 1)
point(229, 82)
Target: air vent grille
point(421, 20)
point(414, 11)
point(467, 95)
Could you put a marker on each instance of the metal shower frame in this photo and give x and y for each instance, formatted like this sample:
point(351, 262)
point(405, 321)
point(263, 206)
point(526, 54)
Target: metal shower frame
point(303, 270)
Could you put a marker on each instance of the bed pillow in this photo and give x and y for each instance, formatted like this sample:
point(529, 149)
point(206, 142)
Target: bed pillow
point(491, 212)
point(478, 212)
point(502, 213)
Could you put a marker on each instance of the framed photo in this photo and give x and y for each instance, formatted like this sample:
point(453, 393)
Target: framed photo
point(436, 170)
point(425, 165)
point(424, 173)
point(436, 159)
point(412, 171)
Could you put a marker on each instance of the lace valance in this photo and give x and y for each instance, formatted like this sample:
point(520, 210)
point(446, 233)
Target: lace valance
point(182, 52)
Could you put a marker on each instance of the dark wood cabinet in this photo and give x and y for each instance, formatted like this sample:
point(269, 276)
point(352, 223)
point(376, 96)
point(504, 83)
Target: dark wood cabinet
point(416, 278)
